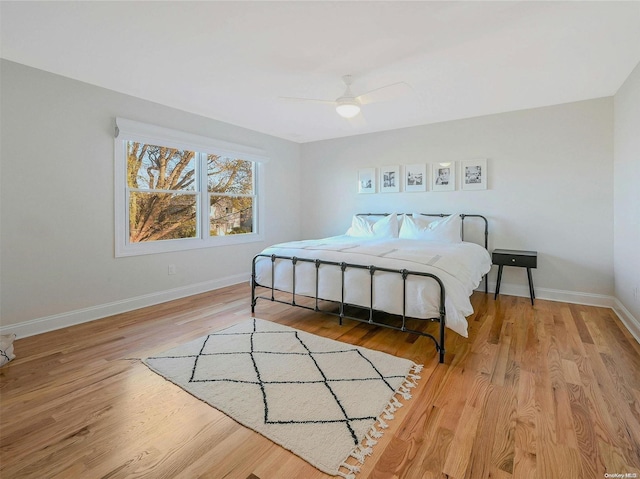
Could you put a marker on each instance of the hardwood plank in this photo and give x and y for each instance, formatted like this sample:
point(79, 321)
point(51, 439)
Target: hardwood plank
point(591, 461)
point(525, 439)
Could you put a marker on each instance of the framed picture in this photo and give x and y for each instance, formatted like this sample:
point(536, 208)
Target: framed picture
point(474, 174)
point(443, 176)
point(415, 177)
point(367, 180)
point(390, 179)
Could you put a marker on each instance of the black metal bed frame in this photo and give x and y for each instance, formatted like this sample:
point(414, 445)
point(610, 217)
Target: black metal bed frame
point(439, 344)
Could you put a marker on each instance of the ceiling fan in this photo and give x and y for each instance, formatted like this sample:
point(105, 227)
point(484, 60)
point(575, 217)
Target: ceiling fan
point(348, 105)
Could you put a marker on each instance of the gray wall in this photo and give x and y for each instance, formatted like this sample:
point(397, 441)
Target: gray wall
point(627, 195)
point(550, 188)
point(57, 203)
point(554, 186)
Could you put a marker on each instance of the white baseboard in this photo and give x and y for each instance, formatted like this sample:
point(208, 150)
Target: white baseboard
point(63, 320)
point(630, 322)
point(588, 299)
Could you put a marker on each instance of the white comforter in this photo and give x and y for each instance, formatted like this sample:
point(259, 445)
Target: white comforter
point(459, 266)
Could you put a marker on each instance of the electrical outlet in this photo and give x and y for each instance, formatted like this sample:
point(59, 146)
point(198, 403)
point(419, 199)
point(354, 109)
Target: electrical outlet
point(171, 269)
point(636, 293)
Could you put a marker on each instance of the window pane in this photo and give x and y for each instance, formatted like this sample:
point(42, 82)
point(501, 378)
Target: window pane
point(161, 216)
point(160, 168)
point(230, 215)
point(227, 175)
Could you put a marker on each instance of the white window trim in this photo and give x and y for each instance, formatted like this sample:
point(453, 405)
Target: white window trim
point(142, 132)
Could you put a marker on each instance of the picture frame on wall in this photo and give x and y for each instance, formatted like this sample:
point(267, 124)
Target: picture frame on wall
point(367, 180)
point(443, 176)
point(474, 174)
point(390, 179)
point(415, 177)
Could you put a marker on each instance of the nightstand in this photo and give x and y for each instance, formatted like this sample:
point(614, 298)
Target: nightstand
point(511, 257)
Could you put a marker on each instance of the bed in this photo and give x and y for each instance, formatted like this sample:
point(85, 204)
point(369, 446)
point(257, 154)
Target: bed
point(416, 266)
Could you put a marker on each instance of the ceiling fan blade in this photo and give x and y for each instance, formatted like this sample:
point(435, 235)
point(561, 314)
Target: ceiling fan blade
point(385, 93)
point(308, 100)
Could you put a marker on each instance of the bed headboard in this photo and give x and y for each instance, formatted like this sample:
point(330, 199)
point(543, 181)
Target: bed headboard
point(442, 215)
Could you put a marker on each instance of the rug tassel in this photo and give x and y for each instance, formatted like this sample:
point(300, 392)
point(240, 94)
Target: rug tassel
point(361, 452)
point(405, 392)
point(350, 467)
point(364, 449)
point(393, 404)
point(358, 456)
point(370, 441)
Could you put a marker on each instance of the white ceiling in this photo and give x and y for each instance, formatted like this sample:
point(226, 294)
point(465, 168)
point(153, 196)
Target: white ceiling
point(232, 60)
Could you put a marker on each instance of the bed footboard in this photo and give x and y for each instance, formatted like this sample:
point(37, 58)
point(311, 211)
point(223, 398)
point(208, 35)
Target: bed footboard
point(342, 305)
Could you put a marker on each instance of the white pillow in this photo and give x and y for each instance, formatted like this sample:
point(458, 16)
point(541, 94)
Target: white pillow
point(422, 227)
point(363, 227)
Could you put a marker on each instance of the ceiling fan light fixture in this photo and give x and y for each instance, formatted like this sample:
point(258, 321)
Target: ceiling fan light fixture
point(347, 107)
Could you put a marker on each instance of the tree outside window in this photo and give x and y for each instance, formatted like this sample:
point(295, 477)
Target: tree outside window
point(231, 189)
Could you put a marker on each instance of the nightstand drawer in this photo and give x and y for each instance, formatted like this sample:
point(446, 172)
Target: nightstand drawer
point(524, 259)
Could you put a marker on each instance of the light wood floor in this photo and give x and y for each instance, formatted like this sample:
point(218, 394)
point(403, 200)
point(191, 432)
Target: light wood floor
point(550, 391)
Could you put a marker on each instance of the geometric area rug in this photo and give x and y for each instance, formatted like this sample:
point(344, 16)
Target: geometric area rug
point(324, 400)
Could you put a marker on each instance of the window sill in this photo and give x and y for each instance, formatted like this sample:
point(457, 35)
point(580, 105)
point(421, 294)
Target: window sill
point(168, 246)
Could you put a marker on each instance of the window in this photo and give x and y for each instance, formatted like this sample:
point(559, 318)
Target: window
point(178, 191)
point(231, 196)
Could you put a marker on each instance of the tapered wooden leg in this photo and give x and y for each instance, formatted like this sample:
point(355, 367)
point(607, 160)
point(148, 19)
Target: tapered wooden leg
point(532, 294)
point(498, 283)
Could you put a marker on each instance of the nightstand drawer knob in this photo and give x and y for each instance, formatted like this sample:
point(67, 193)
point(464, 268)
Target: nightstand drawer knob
point(513, 260)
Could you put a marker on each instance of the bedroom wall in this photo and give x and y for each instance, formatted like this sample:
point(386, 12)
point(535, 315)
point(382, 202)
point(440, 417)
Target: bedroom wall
point(550, 189)
point(626, 199)
point(57, 205)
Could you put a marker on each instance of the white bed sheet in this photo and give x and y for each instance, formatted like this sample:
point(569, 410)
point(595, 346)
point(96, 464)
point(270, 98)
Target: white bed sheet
point(459, 266)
